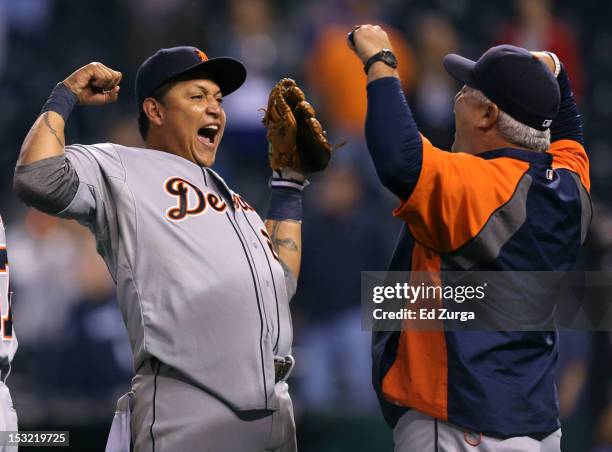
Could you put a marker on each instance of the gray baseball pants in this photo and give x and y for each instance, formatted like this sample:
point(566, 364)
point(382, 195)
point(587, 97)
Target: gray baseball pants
point(417, 432)
point(8, 416)
point(166, 413)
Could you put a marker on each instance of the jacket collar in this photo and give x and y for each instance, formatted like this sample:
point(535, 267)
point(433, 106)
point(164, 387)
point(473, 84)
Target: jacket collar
point(544, 158)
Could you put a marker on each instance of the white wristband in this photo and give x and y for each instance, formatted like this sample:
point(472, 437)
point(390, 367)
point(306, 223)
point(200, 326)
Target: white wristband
point(557, 63)
point(288, 178)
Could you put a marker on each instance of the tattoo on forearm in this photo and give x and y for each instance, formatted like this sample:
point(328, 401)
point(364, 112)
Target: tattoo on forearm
point(287, 243)
point(52, 130)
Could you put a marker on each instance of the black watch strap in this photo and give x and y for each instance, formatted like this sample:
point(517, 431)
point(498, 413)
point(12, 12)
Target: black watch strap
point(385, 55)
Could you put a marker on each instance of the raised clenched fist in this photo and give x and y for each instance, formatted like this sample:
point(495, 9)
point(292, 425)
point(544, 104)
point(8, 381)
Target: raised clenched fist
point(368, 40)
point(94, 84)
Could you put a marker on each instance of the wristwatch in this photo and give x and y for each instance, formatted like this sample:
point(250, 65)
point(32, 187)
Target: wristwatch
point(557, 63)
point(385, 55)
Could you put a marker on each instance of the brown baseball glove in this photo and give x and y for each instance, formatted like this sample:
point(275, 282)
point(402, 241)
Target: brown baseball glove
point(295, 136)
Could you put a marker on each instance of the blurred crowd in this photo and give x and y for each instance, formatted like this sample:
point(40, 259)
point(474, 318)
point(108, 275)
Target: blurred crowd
point(74, 358)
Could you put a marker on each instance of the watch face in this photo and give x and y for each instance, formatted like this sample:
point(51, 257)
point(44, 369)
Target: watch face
point(389, 58)
point(385, 55)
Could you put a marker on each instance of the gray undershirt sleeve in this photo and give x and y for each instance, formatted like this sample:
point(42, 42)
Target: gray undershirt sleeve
point(48, 185)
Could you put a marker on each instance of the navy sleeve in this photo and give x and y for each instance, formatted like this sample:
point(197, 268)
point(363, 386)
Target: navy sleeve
point(393, 137)
point(568, 123)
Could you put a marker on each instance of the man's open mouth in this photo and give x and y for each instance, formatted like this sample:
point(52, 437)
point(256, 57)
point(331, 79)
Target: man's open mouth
point(207, 134)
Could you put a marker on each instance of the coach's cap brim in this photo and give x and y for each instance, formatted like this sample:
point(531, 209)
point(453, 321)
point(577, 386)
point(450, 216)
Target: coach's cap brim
point(461, 69)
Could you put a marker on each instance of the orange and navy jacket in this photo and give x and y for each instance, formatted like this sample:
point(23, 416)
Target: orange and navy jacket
point(503, 209)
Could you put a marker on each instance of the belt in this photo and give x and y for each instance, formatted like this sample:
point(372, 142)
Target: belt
point(468, 433)
point(283, 365)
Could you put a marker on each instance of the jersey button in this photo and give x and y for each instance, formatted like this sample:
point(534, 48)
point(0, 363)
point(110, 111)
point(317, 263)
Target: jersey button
point(255, 245)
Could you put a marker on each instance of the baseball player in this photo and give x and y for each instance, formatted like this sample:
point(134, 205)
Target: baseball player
point(513, 195)
point(8, 345)
point(203, 283)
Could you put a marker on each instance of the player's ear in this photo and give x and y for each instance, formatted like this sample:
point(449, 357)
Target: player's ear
point(488, 116)
point(154, 110)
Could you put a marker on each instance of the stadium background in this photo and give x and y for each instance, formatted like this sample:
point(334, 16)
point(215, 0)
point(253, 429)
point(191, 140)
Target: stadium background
point(74, 359)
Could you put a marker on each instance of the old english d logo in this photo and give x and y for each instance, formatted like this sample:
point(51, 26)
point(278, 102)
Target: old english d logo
point(201, 55)
point(175, 186)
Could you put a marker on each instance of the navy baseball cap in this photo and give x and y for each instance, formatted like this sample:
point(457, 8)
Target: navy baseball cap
point(519, 83)
point(168, 64)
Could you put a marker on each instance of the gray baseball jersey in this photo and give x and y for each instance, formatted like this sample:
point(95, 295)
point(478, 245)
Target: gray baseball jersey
point(198, 282)
point(8, 342)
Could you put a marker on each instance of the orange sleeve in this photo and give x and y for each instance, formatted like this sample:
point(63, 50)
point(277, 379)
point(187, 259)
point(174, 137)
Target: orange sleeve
point(570, 154)
point(455, 195)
